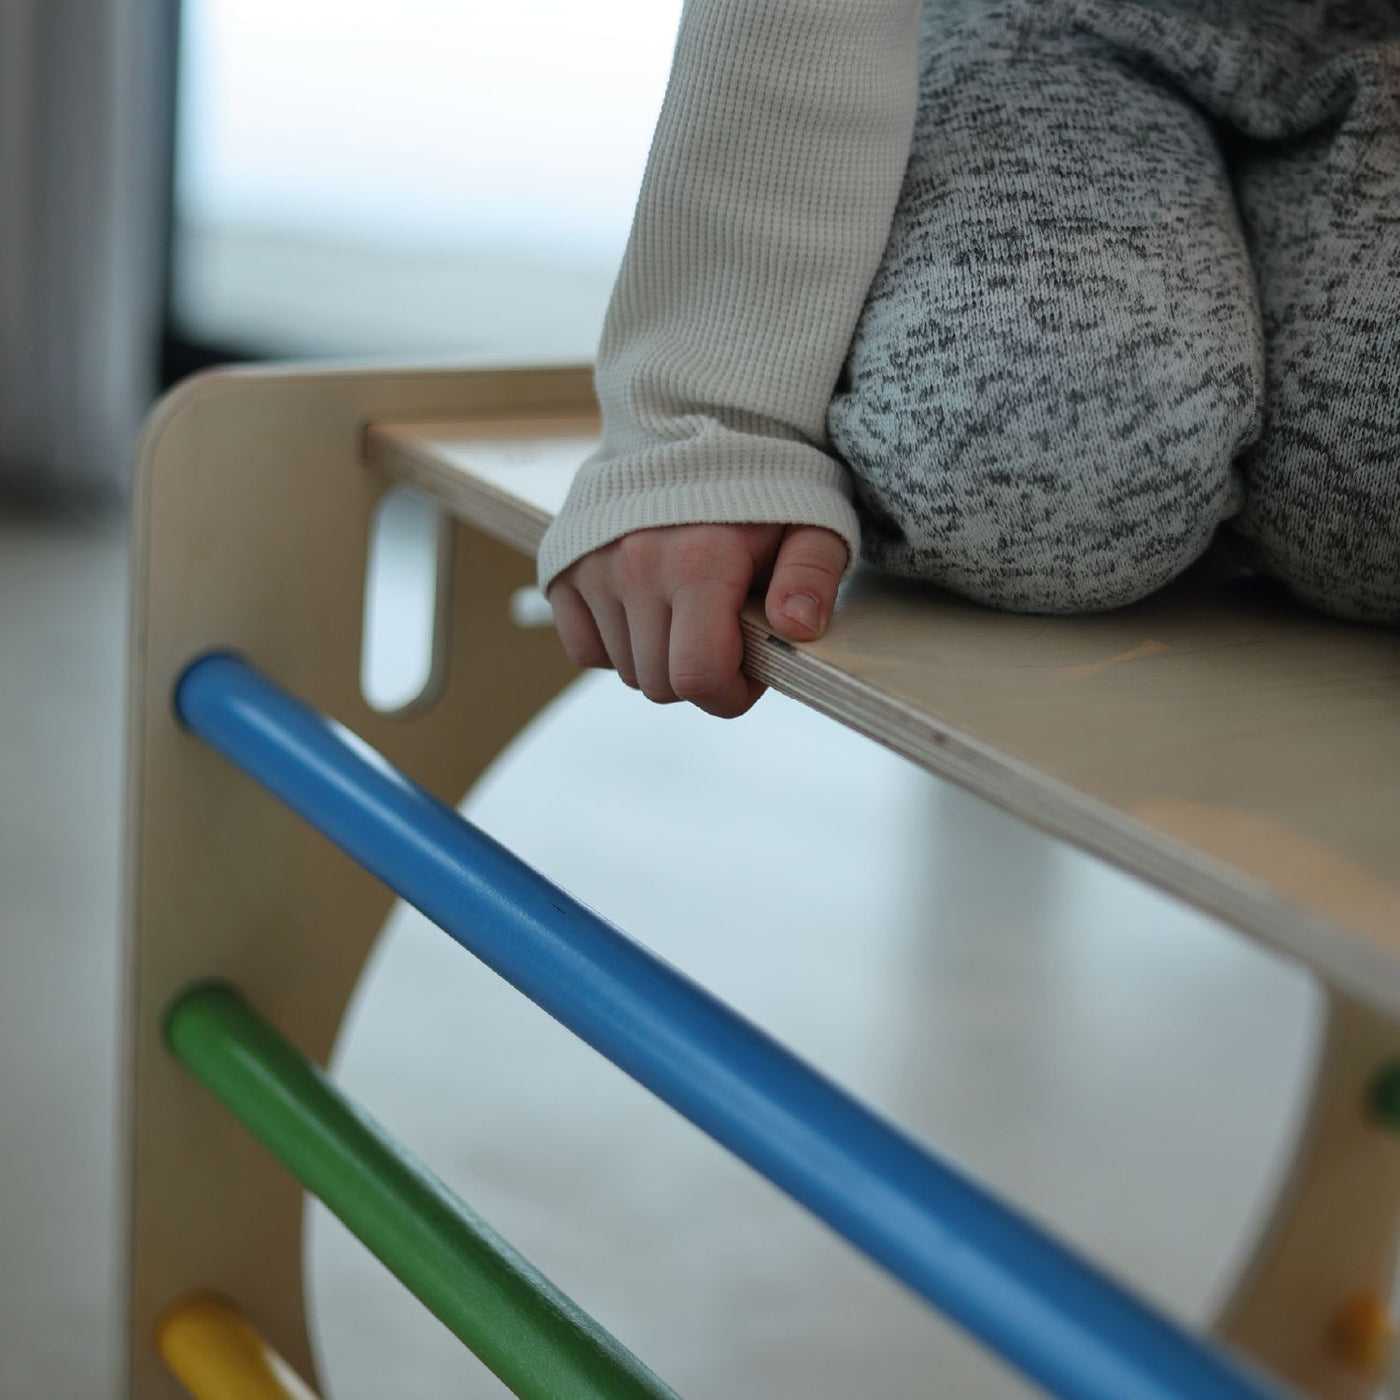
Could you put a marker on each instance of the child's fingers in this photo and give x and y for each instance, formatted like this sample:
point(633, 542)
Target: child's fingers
point(612, 624)
point(577, 630)
point(649, 627)
point(806, 576)
point(707, 650)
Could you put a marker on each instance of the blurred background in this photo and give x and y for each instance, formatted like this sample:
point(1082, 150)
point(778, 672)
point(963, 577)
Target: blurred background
point(185, 184)
point(422, 178)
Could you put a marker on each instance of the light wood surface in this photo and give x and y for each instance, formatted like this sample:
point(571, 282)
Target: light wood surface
point(252, 522)
point(1217, 739)
point(1333, 1232)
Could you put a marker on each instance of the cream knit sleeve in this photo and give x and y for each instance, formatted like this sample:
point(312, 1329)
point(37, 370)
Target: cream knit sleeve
point(762, 217)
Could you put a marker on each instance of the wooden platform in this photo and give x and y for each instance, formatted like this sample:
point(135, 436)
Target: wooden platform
point(1218, 739)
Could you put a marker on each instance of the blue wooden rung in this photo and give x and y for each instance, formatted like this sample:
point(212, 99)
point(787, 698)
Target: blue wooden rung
point(1045, 1310)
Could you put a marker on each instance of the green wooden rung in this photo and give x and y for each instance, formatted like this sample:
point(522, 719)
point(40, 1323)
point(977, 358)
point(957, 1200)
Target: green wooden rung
point(1385, 1097)
point(535, 1338)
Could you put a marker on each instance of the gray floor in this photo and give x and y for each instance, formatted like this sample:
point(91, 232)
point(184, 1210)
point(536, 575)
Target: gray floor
point(62, 640)
point(1112, 1061)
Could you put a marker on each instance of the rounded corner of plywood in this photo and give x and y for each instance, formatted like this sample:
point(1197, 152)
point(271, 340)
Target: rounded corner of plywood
point(172, 405)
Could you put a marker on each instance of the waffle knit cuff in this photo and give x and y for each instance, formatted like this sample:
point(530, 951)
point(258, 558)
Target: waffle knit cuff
point(777, 482)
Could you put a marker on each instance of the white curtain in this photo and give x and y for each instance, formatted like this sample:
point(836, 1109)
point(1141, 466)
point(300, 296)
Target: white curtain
point(84, 169)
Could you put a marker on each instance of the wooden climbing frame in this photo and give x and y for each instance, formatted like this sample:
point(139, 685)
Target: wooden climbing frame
point(1215, 740)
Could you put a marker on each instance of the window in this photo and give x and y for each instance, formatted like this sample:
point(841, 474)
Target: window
point(423, 177)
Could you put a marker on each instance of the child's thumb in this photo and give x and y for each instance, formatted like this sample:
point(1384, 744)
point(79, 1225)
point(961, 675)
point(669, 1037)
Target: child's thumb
point(806, 575)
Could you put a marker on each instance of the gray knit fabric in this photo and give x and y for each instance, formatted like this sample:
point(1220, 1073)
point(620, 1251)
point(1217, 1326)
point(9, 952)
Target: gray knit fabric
point(1142, 286)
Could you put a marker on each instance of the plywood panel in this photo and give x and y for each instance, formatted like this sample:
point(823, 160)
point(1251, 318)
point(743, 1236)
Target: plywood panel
point(1217, 739)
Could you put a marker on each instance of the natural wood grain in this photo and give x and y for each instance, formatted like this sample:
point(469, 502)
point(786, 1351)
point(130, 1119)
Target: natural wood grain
point(1333, 1234)
point(1217, 739)
point(252, 520)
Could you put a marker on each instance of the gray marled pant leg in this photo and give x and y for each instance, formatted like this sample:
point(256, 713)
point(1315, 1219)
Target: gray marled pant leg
point(1056, 393)
point(1320, 200)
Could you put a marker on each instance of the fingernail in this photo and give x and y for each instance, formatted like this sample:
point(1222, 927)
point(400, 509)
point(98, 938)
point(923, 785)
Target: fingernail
point(803, 610)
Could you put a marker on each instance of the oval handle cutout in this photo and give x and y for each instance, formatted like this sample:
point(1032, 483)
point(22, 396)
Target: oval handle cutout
point(403, 581)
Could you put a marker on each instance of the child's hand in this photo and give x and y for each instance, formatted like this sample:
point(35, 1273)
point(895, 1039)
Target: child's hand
point(661, 606)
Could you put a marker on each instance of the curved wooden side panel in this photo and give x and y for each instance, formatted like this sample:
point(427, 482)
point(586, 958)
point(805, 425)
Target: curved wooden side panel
point(1333, 1235)
point(253, 513)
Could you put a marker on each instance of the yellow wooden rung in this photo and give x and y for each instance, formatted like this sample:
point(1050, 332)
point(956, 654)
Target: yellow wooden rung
point(215, 1354)
point(1363, 1337)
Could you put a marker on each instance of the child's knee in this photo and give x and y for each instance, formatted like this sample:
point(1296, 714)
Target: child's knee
point(1066, 499)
